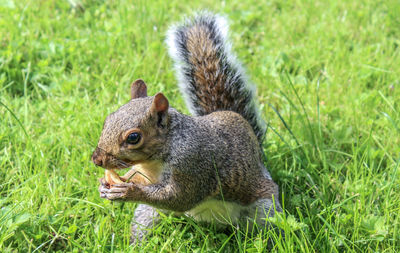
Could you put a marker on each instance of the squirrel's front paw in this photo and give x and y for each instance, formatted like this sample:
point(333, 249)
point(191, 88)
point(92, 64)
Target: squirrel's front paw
point(116, 192)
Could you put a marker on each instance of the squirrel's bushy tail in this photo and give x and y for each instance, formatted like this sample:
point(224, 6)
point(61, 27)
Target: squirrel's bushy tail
point(209, 75)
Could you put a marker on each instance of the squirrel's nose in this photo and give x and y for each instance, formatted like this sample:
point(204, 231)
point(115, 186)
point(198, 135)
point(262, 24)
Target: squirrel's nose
point(97, 158)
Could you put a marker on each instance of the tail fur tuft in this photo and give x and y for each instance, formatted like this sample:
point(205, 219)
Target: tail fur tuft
point(210, 77)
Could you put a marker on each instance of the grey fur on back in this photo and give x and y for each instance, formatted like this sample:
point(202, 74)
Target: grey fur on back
point(210, 77)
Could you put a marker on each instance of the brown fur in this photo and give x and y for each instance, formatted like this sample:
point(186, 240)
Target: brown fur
point(210, 89)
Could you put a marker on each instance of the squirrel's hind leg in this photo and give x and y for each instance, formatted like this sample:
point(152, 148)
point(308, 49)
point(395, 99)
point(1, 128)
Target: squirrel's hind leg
point(257, 217)
point(145, 218)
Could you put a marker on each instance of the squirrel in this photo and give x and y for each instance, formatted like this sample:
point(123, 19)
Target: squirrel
point(208, 166)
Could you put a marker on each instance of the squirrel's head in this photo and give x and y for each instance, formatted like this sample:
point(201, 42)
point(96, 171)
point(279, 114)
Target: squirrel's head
point(134, 133)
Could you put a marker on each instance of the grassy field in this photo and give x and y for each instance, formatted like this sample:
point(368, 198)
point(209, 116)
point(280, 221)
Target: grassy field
point(328, 80)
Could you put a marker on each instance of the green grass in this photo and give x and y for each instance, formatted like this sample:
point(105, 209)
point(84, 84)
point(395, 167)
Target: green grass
point(328, 80)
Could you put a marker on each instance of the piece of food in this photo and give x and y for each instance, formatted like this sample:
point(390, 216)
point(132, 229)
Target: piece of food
point(112, 177)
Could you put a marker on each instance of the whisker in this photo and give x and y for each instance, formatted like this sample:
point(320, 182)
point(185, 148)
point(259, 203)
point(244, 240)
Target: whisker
point(120, 163)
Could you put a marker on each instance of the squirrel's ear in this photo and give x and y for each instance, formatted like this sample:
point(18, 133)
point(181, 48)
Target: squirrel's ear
point(159, 109)
point(160, 103)
point(138, 89)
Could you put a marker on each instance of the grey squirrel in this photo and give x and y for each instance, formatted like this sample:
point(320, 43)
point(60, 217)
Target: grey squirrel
point(208, 166)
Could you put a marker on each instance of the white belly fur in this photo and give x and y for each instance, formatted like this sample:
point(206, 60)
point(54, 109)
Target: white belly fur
point(217, 211)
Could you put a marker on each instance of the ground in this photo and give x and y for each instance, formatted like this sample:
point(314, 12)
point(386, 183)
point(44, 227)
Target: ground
point(328, 81)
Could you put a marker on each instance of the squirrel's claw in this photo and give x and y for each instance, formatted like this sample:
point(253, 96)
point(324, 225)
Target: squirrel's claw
point(103, 190)
point(103, 182)
point(117, 191)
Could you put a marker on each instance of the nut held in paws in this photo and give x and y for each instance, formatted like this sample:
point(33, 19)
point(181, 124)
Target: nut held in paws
point(112, 177)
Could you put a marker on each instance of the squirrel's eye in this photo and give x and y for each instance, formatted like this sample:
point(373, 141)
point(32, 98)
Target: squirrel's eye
point(133, 138)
